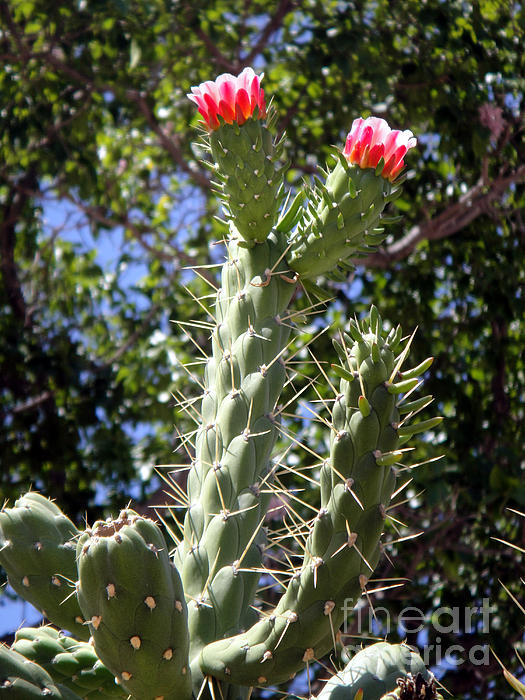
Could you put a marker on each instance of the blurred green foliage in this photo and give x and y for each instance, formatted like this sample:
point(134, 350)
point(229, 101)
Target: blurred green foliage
point(103, 204)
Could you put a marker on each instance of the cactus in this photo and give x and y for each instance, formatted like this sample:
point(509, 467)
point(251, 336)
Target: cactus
point(132, 597)
point(68, 661)
point(37, 550)
point(188, 623)
point(21, 679)
point(375, 671)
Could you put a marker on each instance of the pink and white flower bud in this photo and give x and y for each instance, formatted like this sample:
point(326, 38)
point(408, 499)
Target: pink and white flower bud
point(371, 139)
point(234, 99)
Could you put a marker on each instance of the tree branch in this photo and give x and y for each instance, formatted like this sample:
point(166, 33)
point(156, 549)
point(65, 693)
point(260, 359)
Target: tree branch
point(18, 196)
point(469, 207)
point(273, 24)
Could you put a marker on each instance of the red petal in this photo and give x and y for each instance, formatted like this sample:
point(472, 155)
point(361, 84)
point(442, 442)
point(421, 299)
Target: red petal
point(243, 101)
point(375, 155)
point(239, 116)
point(226, 111)
point(366, 136)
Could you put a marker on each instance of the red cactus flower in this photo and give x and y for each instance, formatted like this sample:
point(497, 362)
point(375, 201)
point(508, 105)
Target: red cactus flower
point(232, 98)
point(372, 139)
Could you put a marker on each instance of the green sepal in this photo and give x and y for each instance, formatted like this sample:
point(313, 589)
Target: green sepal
point(401, 387)
point(418, 370)
point(291, 215)
point(342, 373)
point(414, 406)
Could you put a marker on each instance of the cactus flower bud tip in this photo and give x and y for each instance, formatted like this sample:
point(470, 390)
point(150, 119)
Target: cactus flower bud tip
point(232, 98)
point(371, 140)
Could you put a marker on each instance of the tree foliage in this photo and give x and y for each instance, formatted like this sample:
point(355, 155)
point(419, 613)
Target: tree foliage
point(104, 204)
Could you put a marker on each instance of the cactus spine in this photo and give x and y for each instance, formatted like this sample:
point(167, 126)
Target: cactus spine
point(183, 625)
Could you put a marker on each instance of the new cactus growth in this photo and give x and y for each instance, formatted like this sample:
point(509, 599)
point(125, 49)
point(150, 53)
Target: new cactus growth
point(189, 623)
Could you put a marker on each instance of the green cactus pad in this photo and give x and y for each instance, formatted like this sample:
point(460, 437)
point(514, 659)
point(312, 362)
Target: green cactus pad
point(68, 661)
point(250, 178)
point(37, 550)
point(341, 221)
point(343, 546)
point(21, 679)
point(375, 670)
point(131, 595)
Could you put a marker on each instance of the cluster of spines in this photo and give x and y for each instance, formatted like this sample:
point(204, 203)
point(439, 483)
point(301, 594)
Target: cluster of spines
point(342, 547)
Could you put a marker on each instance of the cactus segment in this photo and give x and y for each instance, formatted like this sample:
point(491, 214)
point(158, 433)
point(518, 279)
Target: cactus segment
point(38, 553)
point(375, 671)
point(21, 679)
point(341, 220)
point(250, 178)
point(132, 596)
point(342, 548)
point(68, 661)
point(243, 380)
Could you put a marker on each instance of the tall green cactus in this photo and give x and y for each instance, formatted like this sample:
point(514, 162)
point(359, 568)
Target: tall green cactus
point(186, 624)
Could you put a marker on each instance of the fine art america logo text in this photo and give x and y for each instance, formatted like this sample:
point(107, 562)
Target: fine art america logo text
point(444, 621)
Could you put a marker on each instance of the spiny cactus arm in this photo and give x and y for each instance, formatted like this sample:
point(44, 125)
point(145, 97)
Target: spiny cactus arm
point(132, 596)
point(245, 374)
point(21, 679)
point(37, 550)
point(68, 661)
point(245, 156)
point(374, 671)
point(344, 217)
point(342, 548)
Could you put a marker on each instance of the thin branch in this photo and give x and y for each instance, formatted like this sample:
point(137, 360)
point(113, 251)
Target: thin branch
point(470, 206)
point(17, 199)
point(274, 23)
